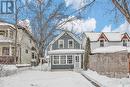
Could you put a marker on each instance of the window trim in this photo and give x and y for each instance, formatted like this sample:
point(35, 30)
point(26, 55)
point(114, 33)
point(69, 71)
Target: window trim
point(59, 56)
point(59, 43)
point(103, 42)
point(125, 41)
point(72, 43)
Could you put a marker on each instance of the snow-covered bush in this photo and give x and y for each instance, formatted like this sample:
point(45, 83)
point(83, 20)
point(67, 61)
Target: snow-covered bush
point(6, 70)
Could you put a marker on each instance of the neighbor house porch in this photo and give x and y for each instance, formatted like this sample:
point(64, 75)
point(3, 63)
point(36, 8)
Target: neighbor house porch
point(6, 52)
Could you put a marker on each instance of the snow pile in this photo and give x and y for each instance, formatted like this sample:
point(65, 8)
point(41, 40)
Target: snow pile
point(43, 67)
point(6, 70)
point(106, 81)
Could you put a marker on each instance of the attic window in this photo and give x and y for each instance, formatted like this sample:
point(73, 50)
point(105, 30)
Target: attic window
point(124, 42)
point(60, 43)
point(101, 43)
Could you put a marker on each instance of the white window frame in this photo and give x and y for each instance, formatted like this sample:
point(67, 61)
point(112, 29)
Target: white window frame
point(58, 60)
point(62, 59)
point(72, 43)
point(103, 42)
point(76, 58)
point(59, 42)
point(67, 60)
point(125, 41)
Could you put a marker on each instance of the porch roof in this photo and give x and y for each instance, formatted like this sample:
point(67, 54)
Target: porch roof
point(66, 51)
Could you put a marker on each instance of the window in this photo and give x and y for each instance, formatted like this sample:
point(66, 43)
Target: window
point(11, 34)
point(77, 58)
point(101, 43)
point(26, 51)
point(124, 42)
point(33, 56)
point(70, 43)
point(60, 43)
point(69, 59)
point(62, 59)
point(5, 51)
point(56, 60)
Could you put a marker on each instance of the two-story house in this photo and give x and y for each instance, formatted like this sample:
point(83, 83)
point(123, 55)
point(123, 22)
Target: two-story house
point(26, 47)
point(105, 39)
point(65, 52)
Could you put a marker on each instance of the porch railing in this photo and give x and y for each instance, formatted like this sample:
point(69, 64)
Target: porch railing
point(7, 60)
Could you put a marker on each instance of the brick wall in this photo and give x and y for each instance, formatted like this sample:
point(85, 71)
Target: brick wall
point(110, 64)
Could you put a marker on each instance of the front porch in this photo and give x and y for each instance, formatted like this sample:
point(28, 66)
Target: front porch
point(66, 59)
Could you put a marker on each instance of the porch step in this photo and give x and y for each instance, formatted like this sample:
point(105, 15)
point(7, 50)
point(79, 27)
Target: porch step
point(61, 70)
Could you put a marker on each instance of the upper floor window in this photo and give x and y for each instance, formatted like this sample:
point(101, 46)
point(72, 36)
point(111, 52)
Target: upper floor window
point(70, 43)
point(60, 43)
point(101, 43)
point(124, 42)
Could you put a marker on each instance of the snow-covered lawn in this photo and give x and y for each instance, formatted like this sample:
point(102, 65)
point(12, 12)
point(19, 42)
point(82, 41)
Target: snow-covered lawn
point(33, 78)
point(106, 81)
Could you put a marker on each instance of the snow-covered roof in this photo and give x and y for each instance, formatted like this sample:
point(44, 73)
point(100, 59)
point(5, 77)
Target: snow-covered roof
point(5, 39)
point(4, 23)
point(65, 51)
point(111, 36)
point(93, 36)
point(111, 49)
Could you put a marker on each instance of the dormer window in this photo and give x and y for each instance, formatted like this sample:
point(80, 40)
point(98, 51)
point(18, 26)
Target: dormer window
point(70, 43)
point(124, 42)
point(101, 43)
point(60, 43)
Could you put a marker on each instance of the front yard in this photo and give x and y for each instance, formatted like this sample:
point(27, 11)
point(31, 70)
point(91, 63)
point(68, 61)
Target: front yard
point(31, 78)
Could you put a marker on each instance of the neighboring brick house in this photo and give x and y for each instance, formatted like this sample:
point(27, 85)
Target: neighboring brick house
point(65, 52)
point(26, 45)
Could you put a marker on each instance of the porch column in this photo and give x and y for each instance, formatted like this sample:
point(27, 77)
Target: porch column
point(8, 33)
point(10, 50)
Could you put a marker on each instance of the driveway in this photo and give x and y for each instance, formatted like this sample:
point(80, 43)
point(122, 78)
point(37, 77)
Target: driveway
point(45, 79)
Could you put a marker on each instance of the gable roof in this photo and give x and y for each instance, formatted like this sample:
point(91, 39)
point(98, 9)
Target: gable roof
point(103, 36)
point(69, 33)
point(111, 36)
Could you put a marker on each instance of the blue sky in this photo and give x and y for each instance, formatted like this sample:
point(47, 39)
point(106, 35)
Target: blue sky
point(100, 17)
point(95, 18)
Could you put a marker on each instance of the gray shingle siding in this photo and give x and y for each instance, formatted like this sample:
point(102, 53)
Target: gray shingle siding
point(65, 37)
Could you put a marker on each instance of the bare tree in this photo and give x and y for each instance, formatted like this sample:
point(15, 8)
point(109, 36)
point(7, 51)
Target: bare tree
point(50, 16)
point(124, 8)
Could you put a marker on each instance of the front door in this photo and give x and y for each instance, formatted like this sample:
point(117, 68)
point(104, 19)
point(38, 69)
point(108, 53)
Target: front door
point(77, 61)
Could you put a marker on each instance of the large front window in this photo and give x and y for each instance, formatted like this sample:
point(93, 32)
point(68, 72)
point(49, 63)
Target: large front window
point(62, 59)
point(5, 51)
point(124, 42)
point(101, 43)
point(60, 43)
point(70, 44)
